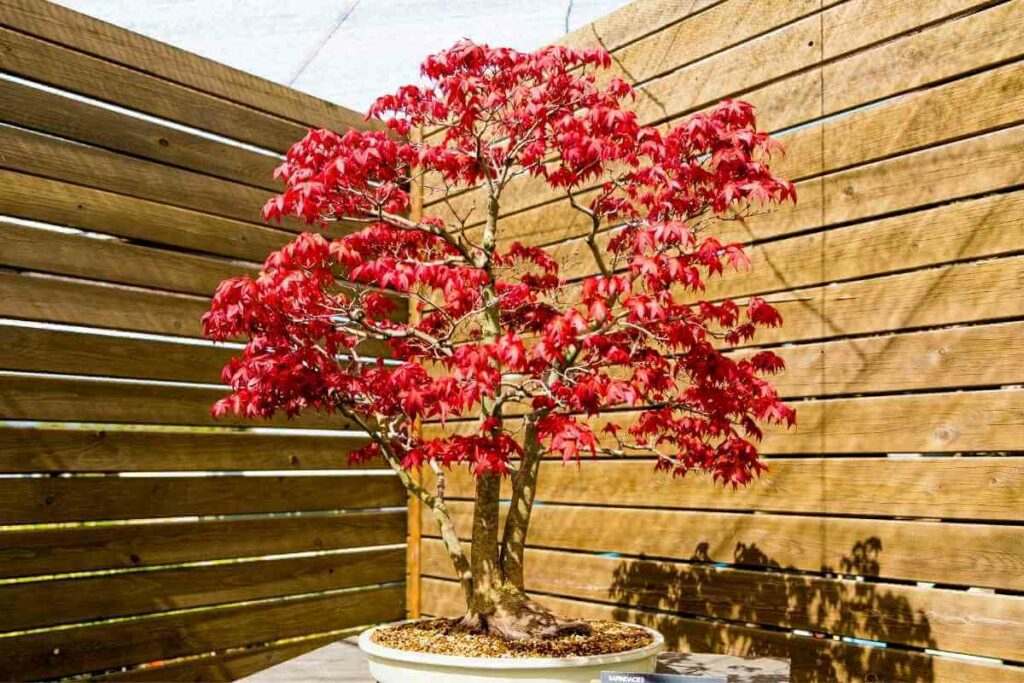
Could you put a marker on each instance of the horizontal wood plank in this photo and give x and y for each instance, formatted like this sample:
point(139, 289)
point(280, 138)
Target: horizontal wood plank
point(904, 124)
point(955, 621)
point(34, 349)
point(35, 551)
point(61, 67)
point(112, 43)
point(60, 203)
point(47, 603)
point(971, 356)
point(58, 159)
point(221, 667)
point(632, 22)
point(958, 231)
point(962, 293)
point(46, 111)
point(950, 488)
point(82, 353)
point(166, 450)
point(813, 660)
point(103, 646)
point(78, 302)
point(39, 397)
point(964, 168)
point(47, 500)
point(49, 251)
point(986, 555)
point(952, 422)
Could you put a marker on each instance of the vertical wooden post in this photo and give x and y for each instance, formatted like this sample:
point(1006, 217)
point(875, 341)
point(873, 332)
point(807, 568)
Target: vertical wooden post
point(414, 510)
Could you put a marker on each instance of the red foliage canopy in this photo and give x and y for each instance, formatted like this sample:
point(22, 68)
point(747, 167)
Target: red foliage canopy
point(497, 335)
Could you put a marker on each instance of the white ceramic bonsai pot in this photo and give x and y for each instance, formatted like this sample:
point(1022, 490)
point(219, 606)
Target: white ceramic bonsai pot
point(388, 665)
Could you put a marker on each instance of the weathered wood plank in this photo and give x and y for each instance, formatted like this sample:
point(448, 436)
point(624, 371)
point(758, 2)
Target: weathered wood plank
point(33, 349)
point(47, 500)
point(964, 168)
point(702, 36)
point(31, 107)
point(956, 621)
point(800, 45)
point(47, 603)
point(60, 299)
point(986, 555)
point(813, 660)
point(974, 356)
point(960, 293)
point(633, 21)
point(49, 251)
point(82, 353)
point(959, 231)
point(77, 302)
point(34, 551)
point(802, 93)
point(974, 166)
point(39, 397)
point(60, 67)
point(953, 422)
point(224, 667)
point(53, 201)
point(950, 488)
point(103, 646)
point(29, 152)
point(166, 450)
point(63, 26)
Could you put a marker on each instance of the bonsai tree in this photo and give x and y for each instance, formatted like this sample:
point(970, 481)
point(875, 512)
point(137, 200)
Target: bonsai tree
point(496, 337)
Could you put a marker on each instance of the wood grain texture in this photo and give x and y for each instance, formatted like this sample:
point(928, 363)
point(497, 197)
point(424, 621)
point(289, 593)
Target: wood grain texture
point(103, 646)
point(973, 356)
point(48, 500)
point(813, 660)
point(49, 251)
point(164, 450)
point(71, 352)
point(49, 112)
point(950, 488)
point(36, 551)
point(961, 230)
point(956, 621)
point(223, 667)
point(961, 293)
point(633, 21)
point(78, 302)
point(951, 422)
point(60, 203)
point(112, 43)
point(964, 168)
point(985, 555)
point(48, 603)
point(75, 71)
point(29, 152)
point(39, 397)
point(797, 99)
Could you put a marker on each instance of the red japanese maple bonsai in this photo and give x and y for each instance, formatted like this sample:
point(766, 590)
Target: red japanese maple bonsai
point(496, 337)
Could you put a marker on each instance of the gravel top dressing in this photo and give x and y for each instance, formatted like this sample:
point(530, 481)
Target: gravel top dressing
point(441, 637)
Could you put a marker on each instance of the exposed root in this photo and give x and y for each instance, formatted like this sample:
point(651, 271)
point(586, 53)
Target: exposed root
point(516, 617)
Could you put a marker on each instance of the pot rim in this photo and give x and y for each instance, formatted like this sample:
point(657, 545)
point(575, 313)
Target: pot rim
point(457, 661)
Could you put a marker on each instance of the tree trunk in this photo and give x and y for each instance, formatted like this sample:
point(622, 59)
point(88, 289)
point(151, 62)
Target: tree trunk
point(512, 615)
point(524, 489)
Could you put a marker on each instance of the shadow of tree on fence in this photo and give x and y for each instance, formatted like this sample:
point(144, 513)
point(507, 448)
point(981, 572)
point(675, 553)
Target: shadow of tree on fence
point(821, 604)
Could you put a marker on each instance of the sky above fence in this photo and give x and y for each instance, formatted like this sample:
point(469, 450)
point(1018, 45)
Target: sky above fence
point(345, 51)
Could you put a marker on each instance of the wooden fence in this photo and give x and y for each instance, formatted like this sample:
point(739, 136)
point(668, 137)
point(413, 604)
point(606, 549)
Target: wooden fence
point(131, 176)
point(886, 541)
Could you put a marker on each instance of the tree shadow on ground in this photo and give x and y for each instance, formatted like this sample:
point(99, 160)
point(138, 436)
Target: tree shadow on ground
point(757, 590)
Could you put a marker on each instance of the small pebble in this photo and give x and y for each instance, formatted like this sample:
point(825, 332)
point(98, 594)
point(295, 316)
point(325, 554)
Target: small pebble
point(442, 637)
